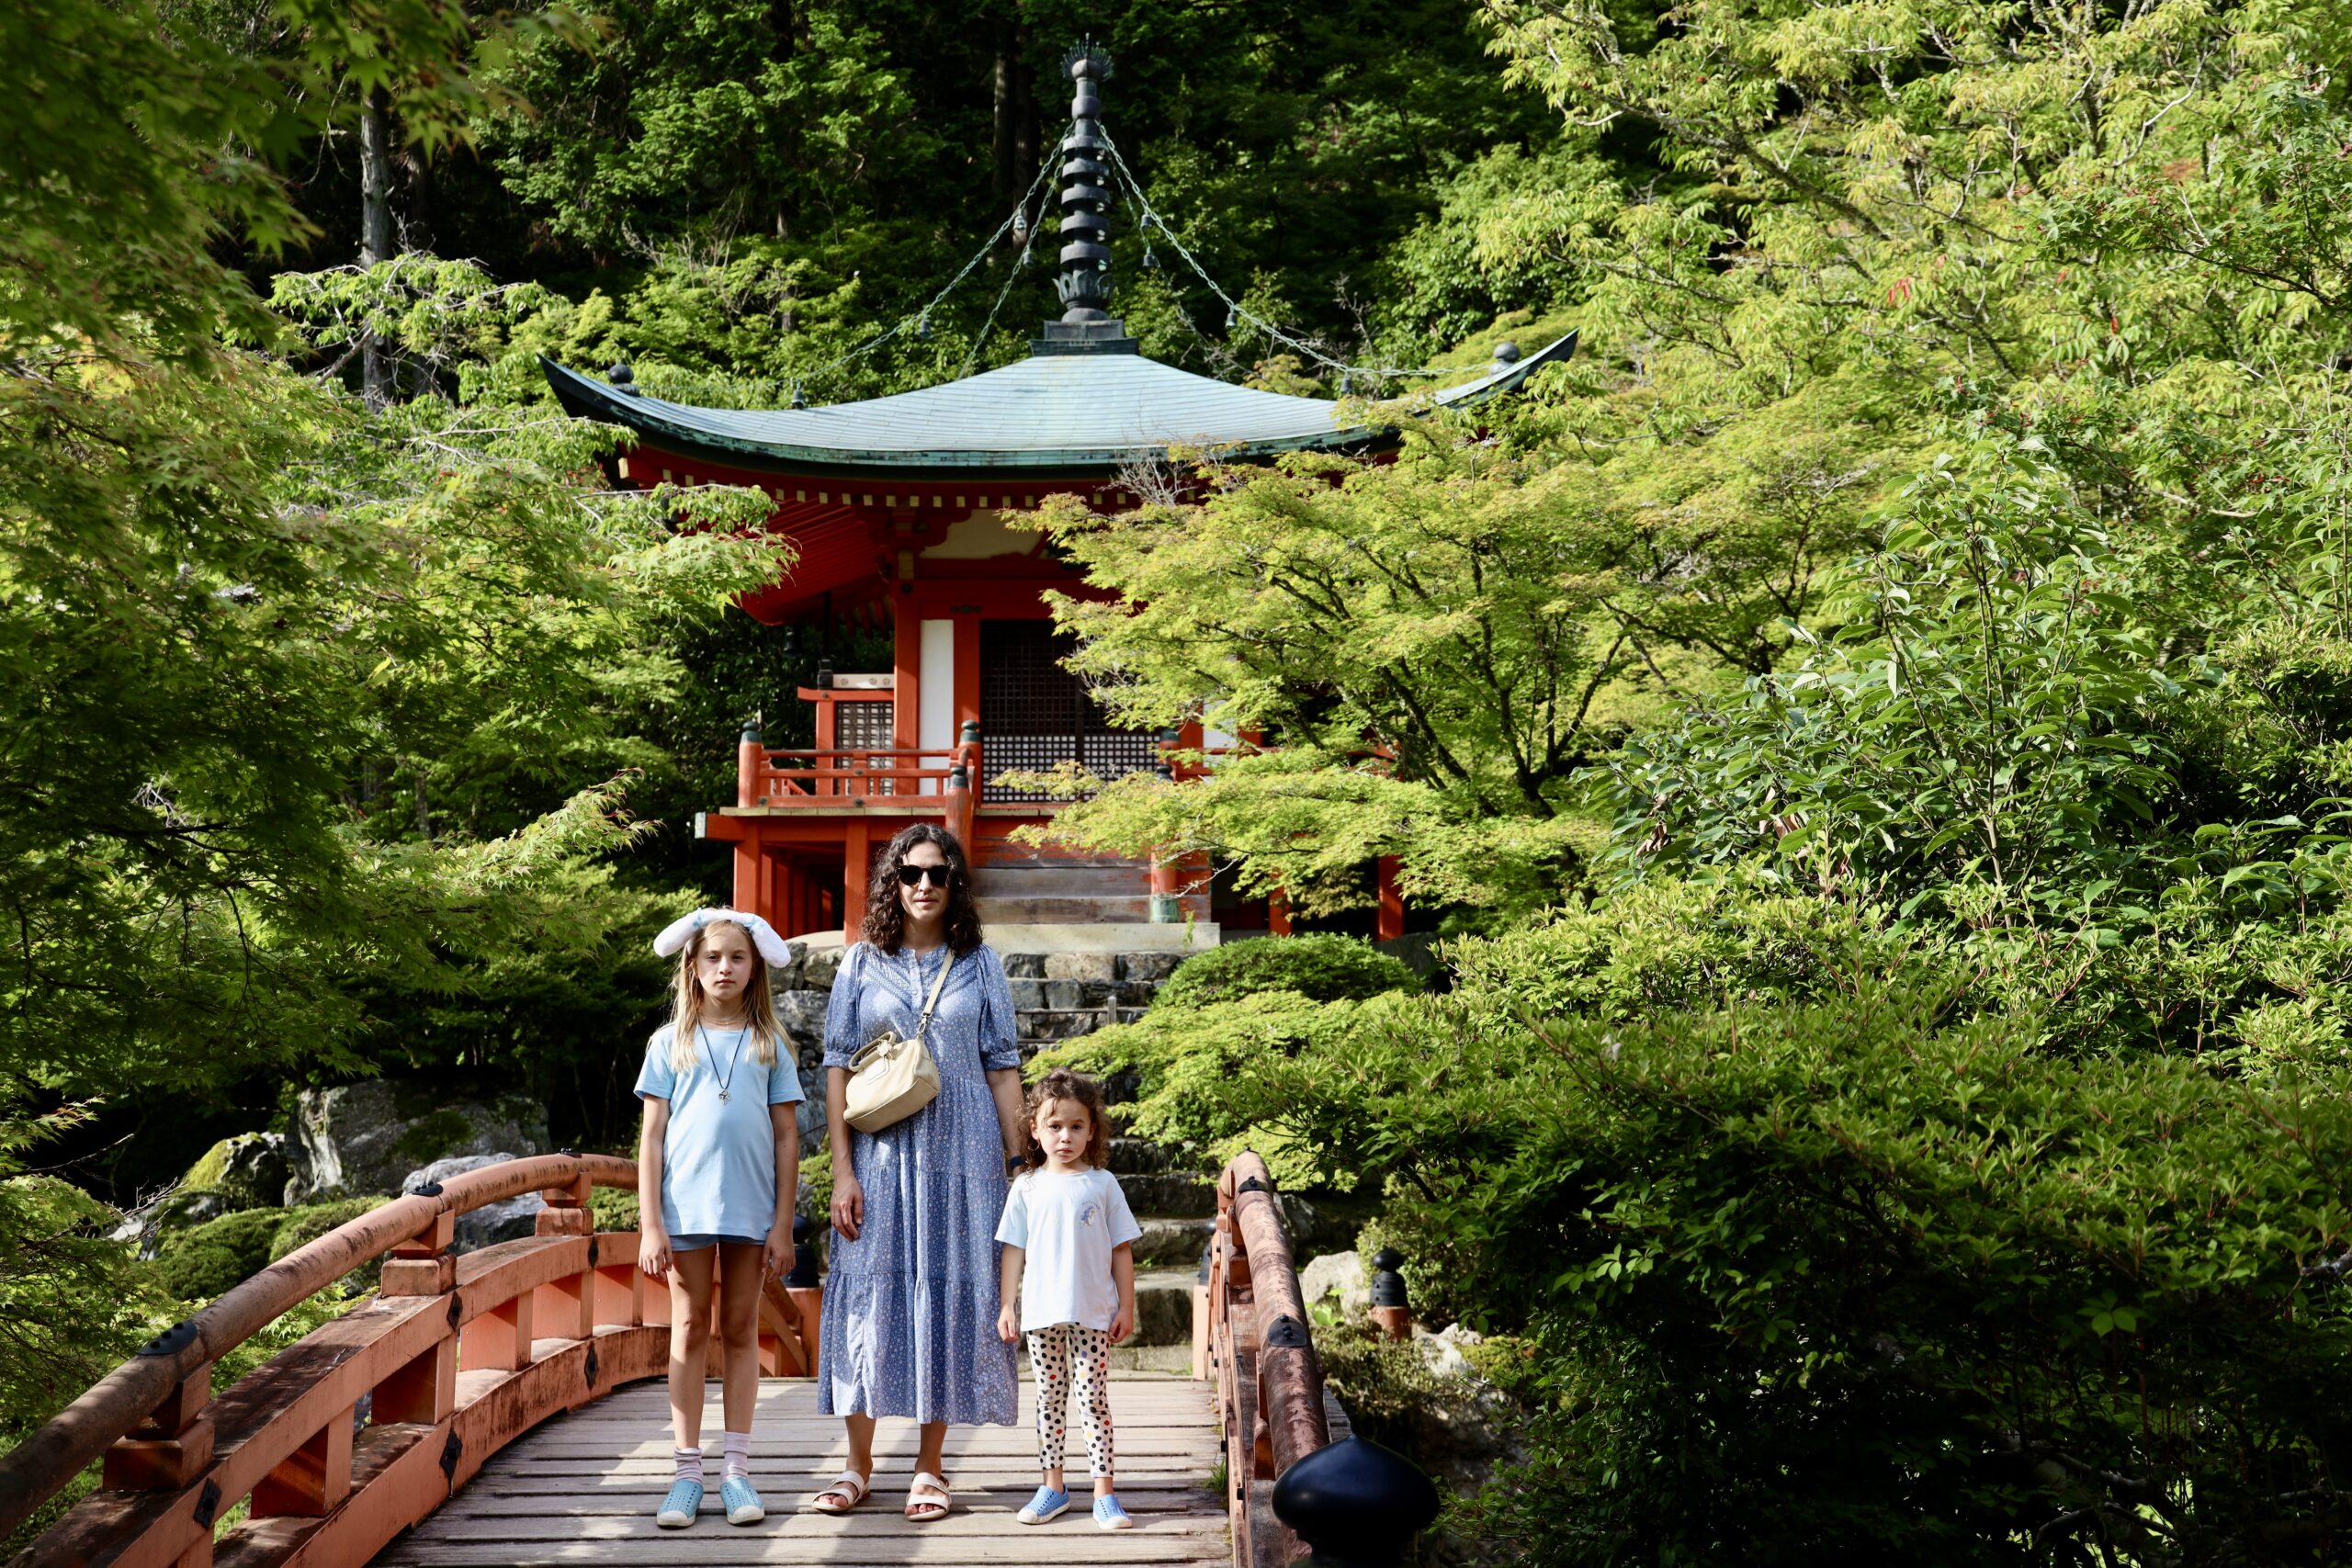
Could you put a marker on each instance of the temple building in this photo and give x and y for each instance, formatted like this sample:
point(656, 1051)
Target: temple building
point(906, 510)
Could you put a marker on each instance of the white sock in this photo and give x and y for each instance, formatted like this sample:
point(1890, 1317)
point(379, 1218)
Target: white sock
point(689, 1464)
point(739, 1455)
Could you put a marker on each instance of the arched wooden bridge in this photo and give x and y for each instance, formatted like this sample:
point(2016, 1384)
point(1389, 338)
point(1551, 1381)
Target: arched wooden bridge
point(495, 1409)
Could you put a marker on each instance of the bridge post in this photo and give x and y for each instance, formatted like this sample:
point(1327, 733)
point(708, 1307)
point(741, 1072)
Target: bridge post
point(171, 1447)
point(424, 1390)
point(1390, 1307)
point(566, 1308)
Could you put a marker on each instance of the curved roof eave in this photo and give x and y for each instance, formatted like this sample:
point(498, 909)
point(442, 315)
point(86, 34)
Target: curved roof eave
point(1057, 401)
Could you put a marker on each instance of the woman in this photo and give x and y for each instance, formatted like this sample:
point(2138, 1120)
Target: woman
point(911, 1306)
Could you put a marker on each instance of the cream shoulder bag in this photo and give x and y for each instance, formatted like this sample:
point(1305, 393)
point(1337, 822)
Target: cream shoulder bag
point(891, 1077)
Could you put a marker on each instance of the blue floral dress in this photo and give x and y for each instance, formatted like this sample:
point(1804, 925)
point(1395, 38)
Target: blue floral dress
point(910, 1306)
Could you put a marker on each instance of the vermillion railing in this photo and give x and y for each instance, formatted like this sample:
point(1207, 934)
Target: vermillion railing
point(1352, 1502)
point(822, 778)
point(1255, 1336)
point(369, 1423)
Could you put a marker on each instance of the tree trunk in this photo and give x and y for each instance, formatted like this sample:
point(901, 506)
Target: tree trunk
point(375, 241)
point(1007, 183)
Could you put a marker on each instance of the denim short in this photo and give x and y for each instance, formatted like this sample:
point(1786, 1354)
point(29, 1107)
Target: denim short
point(696, 1242)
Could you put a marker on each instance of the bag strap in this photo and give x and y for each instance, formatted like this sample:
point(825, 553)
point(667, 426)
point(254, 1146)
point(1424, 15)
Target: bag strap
point(932, 1001)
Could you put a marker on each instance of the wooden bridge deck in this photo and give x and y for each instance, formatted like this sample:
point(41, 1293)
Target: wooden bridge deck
point(583, 1488)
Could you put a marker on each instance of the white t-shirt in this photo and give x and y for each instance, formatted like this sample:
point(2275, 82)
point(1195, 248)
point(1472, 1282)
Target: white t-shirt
point(1066, 1226)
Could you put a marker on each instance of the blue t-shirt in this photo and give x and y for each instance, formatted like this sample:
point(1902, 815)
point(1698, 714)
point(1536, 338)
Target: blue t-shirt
point(719, 1160)
point(1067, 1224)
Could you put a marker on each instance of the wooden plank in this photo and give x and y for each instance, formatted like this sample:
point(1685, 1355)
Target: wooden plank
point(582, 1490)
point(720, 1545)
point(1166, 1496)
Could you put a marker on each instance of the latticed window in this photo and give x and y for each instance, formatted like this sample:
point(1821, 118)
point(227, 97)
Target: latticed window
point(861, 726)
point(1034, 714)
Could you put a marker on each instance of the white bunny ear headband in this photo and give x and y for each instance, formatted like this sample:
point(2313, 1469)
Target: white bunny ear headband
point(678, 932)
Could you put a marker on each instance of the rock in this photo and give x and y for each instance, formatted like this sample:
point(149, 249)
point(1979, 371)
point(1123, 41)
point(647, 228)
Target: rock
point(1442, 1351)
point(1024, 966)
point(1298, 1217)
point(1064, 995)
point(818, 969)
point(362, 1139)
point(1099, 966)
point(810, 1118)
point(1168, 1239)
point(1028, 996)
point(510, 1219)
point(802, 1013)
point(249, 1171)
point(1337, 1273)
point(1148, 967)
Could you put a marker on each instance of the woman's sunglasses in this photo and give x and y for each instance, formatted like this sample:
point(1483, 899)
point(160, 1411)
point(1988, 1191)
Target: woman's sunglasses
point(939, 875)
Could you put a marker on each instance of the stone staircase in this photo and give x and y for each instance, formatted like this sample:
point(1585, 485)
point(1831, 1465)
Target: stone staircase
point(1059, 995)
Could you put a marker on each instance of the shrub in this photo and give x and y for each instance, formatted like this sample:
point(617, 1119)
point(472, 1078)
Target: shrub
point(1848, 1279)
point(200, 1263)
point(1321, 968)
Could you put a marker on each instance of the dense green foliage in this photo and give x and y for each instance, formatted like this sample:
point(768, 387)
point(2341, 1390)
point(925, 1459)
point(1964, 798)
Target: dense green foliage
point(1886, 704)
point(1321, 968)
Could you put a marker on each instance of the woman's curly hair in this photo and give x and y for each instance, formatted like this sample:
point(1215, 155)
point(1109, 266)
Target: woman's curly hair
point(886, 917)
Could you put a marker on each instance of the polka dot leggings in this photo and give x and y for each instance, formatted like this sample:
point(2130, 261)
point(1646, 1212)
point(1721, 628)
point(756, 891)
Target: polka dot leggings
point(1052, 1352)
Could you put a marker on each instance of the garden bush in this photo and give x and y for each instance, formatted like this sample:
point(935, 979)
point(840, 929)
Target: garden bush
point(1854, 1277)
point(200, 1263)
point(1321, 968)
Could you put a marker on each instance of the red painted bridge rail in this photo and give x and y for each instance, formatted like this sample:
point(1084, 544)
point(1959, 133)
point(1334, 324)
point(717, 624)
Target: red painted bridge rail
point(453, 1357)
point(1254, 1331)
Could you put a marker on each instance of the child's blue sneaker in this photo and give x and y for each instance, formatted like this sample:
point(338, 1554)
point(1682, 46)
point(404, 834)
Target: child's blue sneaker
point(1049, 1504)
point(679, 1508)
point(1109, 1515)
point(742, 1502)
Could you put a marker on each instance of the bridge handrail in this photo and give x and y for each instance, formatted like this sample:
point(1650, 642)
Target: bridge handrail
point(286, 1432)
point(1257, 1335)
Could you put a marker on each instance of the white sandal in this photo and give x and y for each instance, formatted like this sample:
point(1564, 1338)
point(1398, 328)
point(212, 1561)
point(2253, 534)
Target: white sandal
point(926, 1481)
point(850, 1484)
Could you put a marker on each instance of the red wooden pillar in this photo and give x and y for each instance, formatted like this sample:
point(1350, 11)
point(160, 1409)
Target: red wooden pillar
point(1277, 914)
point(967, 676)
point(1392, 901)
point(747, 871)
point(857, 870)
point(906, 660)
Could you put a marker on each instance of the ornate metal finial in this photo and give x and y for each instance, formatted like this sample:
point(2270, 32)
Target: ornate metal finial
point(1084, 282)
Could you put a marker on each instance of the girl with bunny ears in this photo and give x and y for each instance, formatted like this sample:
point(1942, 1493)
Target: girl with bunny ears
point(717, 1173)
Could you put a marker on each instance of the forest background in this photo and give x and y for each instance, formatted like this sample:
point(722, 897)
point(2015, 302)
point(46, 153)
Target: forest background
point(1876, 723)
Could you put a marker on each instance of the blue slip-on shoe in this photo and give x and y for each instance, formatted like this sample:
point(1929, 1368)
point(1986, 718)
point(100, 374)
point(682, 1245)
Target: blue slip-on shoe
point(742, 1502)
point(1109, 1515)
point(679, 1508)
point(1048, 1504)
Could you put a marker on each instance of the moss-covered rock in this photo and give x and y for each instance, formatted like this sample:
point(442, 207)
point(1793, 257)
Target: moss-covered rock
point(200, 1263)
point(361, 1139)
point(248, 1171)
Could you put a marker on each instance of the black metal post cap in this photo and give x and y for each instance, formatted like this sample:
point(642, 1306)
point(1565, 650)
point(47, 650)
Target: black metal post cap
point(1389, 1258)
point(1355, 1503)
point(971, 731)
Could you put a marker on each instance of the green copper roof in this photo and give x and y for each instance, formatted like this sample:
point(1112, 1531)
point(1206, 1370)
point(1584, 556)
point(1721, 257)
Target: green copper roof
point(1063, 408)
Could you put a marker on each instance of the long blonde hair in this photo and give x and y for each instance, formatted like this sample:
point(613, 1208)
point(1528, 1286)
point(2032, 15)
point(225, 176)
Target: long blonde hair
point(759, 1003)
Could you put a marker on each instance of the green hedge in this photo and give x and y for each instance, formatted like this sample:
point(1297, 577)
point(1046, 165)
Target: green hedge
point(1821, 1257)
point(1321, 968)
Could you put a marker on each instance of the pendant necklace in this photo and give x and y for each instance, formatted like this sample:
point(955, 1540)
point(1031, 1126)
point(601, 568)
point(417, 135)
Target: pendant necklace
point(737, 1061)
